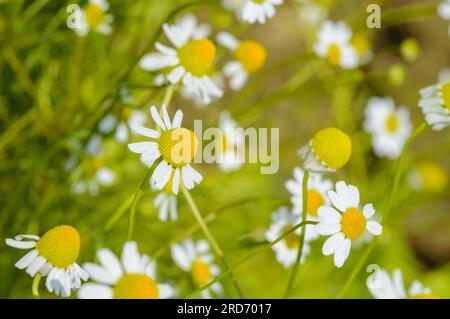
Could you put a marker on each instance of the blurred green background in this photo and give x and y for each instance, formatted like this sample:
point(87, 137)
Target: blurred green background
point(55, 87)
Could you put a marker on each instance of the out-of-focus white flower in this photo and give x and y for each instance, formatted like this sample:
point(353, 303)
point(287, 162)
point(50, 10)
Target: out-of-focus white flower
point(250, 57)
point(89, 178)
point(382, 286)
point(190, 61)
point(444, 11)
point(333, 44)
point(229, 143)
point(286, 250)
point(110, 122)
point(196, 259)
point(389, 126)
point(253, 11)
point(94, 17)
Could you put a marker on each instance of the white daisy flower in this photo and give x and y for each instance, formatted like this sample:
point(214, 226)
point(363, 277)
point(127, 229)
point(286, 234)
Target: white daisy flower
point(110, 122)
point(333, 44)
point(389, 126)
point(196, 259)
point(317, 197)
point(92, 177)
point(382, 286)
point(329, 150)
point(253, 11)
point(344, 221)
point(94, 17)
point(229, 143)
point(363, 47)
point(188, 94)
point(444, 11)
point(286, 250)
point(132, 278)
point(166, 203)
point(190, 62)
point(435, 104)
point(175, 148)
point(250, 57)
point(53, 255)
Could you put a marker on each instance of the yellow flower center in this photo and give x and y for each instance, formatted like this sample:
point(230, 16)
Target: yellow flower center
point(434, 177)
point(94, 15)
point(251, 54)
point(178, 146)
point(197, 56)
point(332, 146)
point(136, 286)
point(292, 240)
point(392, 123)
point(361, 44)
point(60, 246)
point(445, 95)
point(334, 54)
point(258, 1)
point(201, 273)
point(315, 200)
point(353, 223)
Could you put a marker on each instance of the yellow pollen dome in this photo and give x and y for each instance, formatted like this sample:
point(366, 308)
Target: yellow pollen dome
point(334, 54)
point(392, 123)
point(136, 286)
point(60, 246)
point(315, 200)
point(292, 240)
point(251, 54)
point(178, 146)
point(94, 15)
point(197, 56)
point(445, 95)
point(201, 273)
point(332, 146)
point(353, 223)
point(434, 177)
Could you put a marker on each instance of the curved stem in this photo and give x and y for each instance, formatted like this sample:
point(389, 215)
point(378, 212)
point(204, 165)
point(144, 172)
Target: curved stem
point(302, 236)
point(210, 238)
point(395, 186)
point(250, 256)
point(136, 198)
point(35, 285)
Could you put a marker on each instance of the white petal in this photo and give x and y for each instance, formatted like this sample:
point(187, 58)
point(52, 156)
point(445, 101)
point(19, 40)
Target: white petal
point(157, 61)
point(177, 119)
point(141, 147)
point(329, 214)
point(110, 262)
point(368, 211)
point(145, 131)
point(176, 180)
point(328, 228)
point(95, 291)
point(374, 227)
point(131, 257)
point(166, 118)
point(99, 274)
point(332, 243)
point(166, 291)
point(26, 260)
point(35, 265)
point(181, 258)
point(20, 244)
point(157, 118)
point(342, 252)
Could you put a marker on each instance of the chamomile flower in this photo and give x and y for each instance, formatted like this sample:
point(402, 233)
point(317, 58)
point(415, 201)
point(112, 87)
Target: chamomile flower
point(229, 143)
point(53, 255)
point(134, 277)
point(429, 177)
point(329, 150)
point(190, 62)
point(189, 94)
point(286, 250)
point(166, 203)
point(130, 118)
point(389, 126)
point(197, 260)
point(250, 57)
point(89, 178)
point(333, 44)
point(345, 222)
point(94, 17)
point(317, 197)
point(363, 47)
point(382, 286)
point(253, 11)
point(444, 11)
point(435, 104)
point(175, 147)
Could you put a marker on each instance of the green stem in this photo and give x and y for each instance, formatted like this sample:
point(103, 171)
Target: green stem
point(136, 198)
point(168, 96)
point(250, 256)
point(210, 238)
point(302, 236)
point(395, 186)
point(35, 285)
